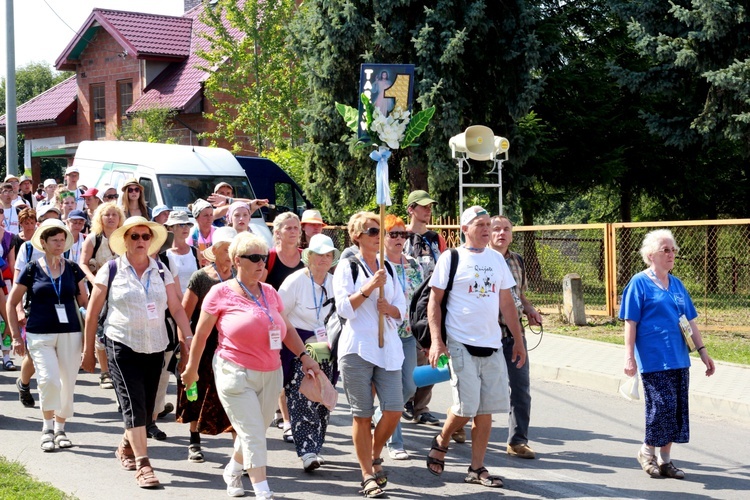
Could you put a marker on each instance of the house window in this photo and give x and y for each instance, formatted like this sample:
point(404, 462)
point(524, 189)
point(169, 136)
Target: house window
point(98, 112)
point(124, 101)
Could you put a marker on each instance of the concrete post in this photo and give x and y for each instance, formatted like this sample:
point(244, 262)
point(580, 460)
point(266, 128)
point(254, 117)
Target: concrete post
point(573, 305)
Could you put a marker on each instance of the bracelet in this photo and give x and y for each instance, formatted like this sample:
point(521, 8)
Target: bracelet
point(363, 294)
point(303, 353)
point(699, 349)
point(189, 337)
point(230, 201)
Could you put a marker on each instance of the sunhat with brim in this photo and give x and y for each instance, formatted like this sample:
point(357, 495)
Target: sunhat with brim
point(41, 211)
point(321, 244)
point(223, 234)
point(178, 218)
point(312, 217)
point(23, 179)
point(130, 182)
point(11, 176)
point(36, 240)
point(158, 210)
point(117, 239)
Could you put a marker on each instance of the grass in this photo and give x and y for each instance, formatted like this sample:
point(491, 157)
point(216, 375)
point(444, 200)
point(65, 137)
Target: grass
point(15, 482)
point(733, 347)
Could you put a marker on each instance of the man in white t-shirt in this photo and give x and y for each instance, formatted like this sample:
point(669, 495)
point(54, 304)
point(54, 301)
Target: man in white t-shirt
point(71, 182)
point(479, 374)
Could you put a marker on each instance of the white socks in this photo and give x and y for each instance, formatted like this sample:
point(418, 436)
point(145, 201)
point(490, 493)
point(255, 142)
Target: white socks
point(59, 426)
point(234, 466)
point(648, 451)
point(47, 425)
point(261, 486)
point(664, 457)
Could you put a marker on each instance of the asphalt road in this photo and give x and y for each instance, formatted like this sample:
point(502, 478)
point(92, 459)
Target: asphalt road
point(586, 443)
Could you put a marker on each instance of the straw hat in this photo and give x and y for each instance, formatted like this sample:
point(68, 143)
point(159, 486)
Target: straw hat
point(36, 240)
point(321, 244)
point(223, 234)
point(117, 239)
point(312, 217)
point(131, 182)
point(177, 218)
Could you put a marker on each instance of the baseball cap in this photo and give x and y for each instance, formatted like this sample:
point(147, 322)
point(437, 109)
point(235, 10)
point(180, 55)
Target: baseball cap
point(41, 211)
point(71, 170)
point(420, 197)
point(223, 184)
point(90, 192)
point(50, 182)
point(472, 213)
point(77, 214)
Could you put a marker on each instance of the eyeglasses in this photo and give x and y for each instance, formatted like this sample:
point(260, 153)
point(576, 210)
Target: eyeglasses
point(255, 257)
point(373, 231)
point(134, 189)
point(398, 234)
point(667, 251)
point(110, 196)
point(139, 236)
point(66, 194)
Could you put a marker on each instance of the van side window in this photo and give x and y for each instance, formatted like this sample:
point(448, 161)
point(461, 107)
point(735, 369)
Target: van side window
point(149, 192)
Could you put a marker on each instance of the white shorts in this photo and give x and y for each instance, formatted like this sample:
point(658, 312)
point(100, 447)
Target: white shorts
point(479, 385)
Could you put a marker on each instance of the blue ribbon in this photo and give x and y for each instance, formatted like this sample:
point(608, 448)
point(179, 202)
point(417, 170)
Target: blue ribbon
point(381, 175)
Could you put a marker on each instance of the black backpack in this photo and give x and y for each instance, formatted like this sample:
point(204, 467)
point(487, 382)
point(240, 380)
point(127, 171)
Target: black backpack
point(420, 327)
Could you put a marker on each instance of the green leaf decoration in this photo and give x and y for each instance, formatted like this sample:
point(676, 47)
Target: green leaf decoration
point(369, 109)
point(349, 114)
point(416, 126)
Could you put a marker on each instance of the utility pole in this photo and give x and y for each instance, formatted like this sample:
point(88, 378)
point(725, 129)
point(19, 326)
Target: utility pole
point(11, 129)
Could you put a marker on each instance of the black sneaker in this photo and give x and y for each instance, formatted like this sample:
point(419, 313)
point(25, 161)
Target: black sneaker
point(24, 394)
point(428, 419)
point(408, 413)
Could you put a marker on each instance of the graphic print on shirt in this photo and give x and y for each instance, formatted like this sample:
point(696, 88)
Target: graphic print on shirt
point(484, 281)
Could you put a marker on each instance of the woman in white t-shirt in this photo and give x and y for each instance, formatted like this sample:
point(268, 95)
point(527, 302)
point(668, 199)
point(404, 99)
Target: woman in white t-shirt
point(181, 258)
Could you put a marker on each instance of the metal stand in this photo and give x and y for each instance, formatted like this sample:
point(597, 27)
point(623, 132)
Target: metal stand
point(464, 168)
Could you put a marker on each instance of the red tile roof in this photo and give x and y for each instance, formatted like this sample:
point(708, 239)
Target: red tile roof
point(180, 85)
point(143, 36)
point(48, 106)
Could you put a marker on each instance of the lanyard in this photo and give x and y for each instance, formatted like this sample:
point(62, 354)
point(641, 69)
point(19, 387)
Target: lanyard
point(207, 242)
point(661, 287)
point(148, 282)
point(265, 309)
point(75, 250)
point(377, 264)
point(217, 272)
point(56, 286)
point(318, 306)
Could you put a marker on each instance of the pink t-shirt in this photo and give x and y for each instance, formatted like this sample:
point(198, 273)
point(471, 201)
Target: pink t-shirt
point(243, 326)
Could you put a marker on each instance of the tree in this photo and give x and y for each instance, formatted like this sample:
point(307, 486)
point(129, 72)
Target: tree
point(149, 125)
point(32, 80)
point(474, 61)
point(255, 82)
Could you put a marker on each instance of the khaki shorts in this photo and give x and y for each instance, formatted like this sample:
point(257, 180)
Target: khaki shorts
point(479, 385)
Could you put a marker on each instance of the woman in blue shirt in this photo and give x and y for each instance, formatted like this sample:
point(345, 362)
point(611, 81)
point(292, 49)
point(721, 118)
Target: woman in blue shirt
point(654, 304)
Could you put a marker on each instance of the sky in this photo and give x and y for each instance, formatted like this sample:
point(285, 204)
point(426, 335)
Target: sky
point(41, 36)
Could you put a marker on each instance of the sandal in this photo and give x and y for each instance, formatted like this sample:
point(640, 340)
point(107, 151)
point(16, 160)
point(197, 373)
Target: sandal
point(105, 381)
point(62, 441)
point(436, 461)
point(145, 476)
point(381, 476)
point(9, 366)
point(370, 488)
point(287, 436)
point(648, 465)
point(126, 456)
point(278, 420)
point(490, 481)
point(195, 454)
point(48, 441)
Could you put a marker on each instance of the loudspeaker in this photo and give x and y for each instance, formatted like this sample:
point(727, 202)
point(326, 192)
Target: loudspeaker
point(479, 143)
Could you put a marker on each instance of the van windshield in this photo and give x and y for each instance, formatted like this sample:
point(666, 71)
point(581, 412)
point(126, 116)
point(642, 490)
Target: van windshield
point(181, 190)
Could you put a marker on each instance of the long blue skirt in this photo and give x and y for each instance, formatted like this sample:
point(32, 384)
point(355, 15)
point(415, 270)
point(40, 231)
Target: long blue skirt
point(667, 411)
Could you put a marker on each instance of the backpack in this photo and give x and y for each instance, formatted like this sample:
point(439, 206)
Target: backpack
point(420, 327)
point(272, 258)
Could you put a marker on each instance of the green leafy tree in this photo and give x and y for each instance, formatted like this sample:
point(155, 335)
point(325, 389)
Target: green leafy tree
point(255, 81)
point(474, 62)
point(149, 125)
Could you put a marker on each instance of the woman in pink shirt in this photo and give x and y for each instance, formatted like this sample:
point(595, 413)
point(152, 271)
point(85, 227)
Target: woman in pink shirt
point(247, 366)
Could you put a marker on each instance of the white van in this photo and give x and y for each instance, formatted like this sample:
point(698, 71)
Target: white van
point(171, 174)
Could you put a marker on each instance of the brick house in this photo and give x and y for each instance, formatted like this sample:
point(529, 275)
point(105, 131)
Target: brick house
point(123, 62)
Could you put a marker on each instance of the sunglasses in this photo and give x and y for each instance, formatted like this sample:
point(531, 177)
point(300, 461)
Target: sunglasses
point(373, 231)
point(134, 189)
point(1, 211)
point(67, 194)
point(255, 257)
point(139, 236)
point(110, 196)
point(398, 234)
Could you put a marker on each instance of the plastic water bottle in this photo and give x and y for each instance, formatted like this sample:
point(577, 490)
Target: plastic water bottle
point(7, 341)
point(192, 392)
point(442, 361)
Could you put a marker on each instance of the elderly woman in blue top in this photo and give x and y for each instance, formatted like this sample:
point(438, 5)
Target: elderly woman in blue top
point(654, 304)
point(363, 363)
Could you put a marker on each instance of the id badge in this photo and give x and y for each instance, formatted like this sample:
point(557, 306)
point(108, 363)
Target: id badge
point(321, 334)
point(151, 312)
point(62, 316)
point(274, 337)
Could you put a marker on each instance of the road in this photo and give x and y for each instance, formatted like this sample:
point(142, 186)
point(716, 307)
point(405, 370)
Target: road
point(586, 443)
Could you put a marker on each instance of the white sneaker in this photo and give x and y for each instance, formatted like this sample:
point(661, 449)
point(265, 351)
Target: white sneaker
point(234, 482)
point(398, 454)
point(310, 462)
point(266, 495)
